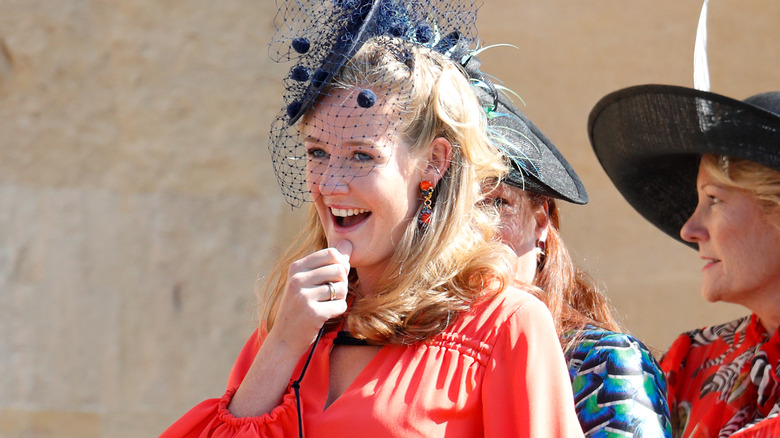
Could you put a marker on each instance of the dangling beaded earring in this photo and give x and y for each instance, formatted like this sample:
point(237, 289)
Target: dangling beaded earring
point(426, 191)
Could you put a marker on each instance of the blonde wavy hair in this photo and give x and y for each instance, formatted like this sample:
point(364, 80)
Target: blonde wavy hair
point(761, 181)
point(457, 259)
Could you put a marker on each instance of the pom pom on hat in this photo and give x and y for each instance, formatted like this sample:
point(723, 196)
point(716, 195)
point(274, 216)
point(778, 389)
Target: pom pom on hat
point(301, 45)
point(293, 109)
point(366, 98)
point(319, 77)
point(424, 34)
point(300, 74)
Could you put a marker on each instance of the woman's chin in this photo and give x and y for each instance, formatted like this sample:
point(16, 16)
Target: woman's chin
point(710, 296)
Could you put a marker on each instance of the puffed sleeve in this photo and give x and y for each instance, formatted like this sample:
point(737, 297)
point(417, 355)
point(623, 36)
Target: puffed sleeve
point(211, 418)
point(526, 391)
point(618, 386)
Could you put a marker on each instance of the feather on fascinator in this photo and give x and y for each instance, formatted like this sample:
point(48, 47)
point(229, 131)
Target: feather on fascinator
point(536, 164)
point(320, 37)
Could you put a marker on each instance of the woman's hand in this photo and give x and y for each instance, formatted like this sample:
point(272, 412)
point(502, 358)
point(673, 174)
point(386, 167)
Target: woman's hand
point(305, 306)
point(311, 283)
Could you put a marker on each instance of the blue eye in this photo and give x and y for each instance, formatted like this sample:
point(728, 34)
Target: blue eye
point(362, 156)
point(315, 153)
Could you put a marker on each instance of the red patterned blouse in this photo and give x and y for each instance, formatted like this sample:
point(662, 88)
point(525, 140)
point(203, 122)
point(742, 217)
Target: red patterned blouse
point(724, 381)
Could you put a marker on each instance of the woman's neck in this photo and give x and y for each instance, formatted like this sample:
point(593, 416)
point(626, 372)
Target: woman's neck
point(367, 283)
point(765, 305)
point(769, 322)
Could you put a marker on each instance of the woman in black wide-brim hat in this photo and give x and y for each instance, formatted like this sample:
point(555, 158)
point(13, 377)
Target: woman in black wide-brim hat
point(705, 169)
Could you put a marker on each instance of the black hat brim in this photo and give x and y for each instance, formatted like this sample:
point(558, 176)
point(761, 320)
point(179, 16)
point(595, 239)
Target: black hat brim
point(649, 139)
point(537, 165)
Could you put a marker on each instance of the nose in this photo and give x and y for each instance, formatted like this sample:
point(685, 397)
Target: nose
point(693, 230)
point(332, 181)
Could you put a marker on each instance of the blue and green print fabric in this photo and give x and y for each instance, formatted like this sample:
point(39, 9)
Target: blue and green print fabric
point(619, 389)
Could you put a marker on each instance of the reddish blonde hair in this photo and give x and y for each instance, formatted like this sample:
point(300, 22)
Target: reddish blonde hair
point(570, 293)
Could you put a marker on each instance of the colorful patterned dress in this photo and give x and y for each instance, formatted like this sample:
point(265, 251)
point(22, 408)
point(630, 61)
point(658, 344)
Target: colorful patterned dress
point(618, 387)
point(723, 381)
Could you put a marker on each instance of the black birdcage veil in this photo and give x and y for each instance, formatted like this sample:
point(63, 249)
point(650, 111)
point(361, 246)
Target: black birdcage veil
point(320, 38)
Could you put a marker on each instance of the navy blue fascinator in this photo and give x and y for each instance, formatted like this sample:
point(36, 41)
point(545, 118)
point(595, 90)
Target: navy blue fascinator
point(319, 37)
point(536, 164)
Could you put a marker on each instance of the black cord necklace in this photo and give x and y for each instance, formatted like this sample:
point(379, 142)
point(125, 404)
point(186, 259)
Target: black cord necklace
point(296, 385)
point(342, 338)
point(345, 338)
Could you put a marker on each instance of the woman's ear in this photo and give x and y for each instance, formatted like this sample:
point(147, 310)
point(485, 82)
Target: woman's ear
point(542, 221)
point(438, 159)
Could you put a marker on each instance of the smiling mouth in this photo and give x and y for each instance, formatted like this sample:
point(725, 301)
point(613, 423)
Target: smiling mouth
point(350, 216)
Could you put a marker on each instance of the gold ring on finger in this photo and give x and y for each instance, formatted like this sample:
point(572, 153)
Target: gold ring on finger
point(332, 290)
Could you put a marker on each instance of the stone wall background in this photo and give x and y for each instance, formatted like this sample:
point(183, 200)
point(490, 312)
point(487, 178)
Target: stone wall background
point(138, 206)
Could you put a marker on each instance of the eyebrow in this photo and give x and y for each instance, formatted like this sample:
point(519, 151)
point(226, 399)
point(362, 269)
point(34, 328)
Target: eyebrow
point(714, 185)
point(310, 139)
point(361, 142)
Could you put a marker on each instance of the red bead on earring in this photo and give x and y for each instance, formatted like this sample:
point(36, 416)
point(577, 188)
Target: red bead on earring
point(426, 191)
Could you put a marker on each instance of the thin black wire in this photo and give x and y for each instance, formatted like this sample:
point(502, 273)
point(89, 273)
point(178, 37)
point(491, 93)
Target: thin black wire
point(345, 338)
point(296, 385)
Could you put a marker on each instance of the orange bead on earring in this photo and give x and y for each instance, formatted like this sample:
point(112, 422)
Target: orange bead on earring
point(426, 191)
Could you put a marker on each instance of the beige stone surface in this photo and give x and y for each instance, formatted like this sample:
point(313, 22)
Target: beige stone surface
point(138, 207)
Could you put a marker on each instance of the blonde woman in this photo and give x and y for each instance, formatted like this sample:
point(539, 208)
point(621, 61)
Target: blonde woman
point(392, 314)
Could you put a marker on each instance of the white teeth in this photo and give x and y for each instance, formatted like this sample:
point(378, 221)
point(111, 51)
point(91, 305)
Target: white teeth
point(347, 212)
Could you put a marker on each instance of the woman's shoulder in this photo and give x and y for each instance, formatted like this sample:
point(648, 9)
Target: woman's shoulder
point(721, 332)
point(621, 352)
point(591, 337)
point(705, 342)
point(617, 384)
point(510, 303)
point(513, 310)
point(518, 295)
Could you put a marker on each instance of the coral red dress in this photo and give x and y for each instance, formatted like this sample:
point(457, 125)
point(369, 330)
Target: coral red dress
point(723, 381)
point(498, 371)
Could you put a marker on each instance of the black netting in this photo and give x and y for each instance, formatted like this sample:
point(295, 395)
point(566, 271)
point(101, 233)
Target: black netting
point(319, 39)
